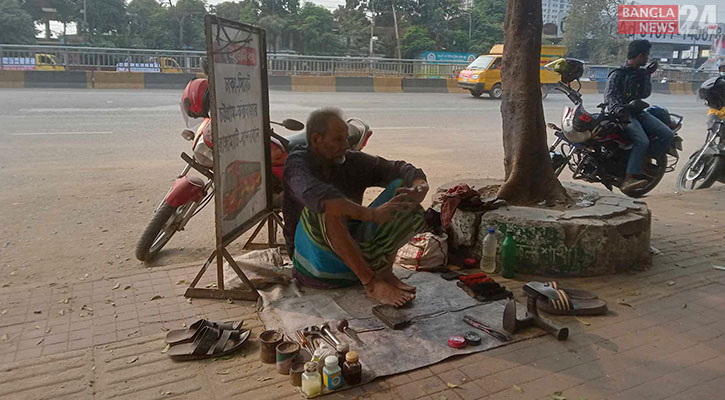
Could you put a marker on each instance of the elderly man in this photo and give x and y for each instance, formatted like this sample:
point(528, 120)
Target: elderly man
point(334, 241)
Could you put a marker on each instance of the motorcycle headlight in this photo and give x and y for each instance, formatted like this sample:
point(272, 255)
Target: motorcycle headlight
point(203, 154)
point(474, 77)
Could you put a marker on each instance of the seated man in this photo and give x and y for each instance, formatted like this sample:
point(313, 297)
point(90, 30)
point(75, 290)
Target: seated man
point(333, 240)
point(624, 85)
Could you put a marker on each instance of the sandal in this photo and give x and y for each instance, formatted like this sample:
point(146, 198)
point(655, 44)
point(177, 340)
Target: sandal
point(573, 292)
point(209, 343)
point(179, 336)
point(558, 302)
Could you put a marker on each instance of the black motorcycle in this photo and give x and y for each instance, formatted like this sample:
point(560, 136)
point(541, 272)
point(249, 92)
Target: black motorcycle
point(707, 165)
point(595, 149)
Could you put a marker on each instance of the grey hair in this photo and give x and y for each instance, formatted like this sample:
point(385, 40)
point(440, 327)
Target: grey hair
point(319, 121)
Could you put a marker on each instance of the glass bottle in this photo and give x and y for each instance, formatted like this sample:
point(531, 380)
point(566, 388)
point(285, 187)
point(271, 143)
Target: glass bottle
point(352, 369)
point(342, 349)
point(311, 380)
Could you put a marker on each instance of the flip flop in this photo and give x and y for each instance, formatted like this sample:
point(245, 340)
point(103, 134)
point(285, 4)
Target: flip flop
point(209, 343)
point(558, 302)
point(573, 292)
point(179, 336)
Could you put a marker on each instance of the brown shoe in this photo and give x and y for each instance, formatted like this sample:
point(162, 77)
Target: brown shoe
point(632, 184)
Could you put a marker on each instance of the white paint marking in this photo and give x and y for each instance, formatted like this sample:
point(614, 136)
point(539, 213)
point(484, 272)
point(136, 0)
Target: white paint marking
point(61, 133)
point(400, 127)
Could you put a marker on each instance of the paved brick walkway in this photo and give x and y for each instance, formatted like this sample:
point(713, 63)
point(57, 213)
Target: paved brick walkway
point(663, 338)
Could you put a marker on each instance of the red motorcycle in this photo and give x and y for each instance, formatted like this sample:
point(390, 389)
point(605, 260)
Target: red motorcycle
point(189, 194)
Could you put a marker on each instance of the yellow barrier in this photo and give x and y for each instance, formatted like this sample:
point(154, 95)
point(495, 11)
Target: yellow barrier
point(116, 80)
point(12, 79)
point(313, 83)
point(452, 84)
point(388, 85)
point(589, 87)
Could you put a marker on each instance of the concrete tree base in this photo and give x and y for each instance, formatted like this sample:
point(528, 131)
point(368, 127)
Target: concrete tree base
point(611, 235)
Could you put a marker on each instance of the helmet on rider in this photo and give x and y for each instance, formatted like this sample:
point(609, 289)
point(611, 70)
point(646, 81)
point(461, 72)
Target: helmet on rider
point(195, 99)
point(713, 92)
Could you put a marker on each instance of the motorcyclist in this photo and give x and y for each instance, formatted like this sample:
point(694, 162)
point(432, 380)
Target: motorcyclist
point(631, 82)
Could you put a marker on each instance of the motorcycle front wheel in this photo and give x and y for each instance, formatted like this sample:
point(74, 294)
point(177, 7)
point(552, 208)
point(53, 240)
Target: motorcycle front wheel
point(699, 176)
point(654, 170)
point(159, 231)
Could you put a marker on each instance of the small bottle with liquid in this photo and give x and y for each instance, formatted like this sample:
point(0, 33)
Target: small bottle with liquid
point(352, 369)
point(332, 374)
point(311, 380)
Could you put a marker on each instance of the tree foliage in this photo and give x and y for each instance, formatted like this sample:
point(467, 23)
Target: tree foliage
point(17, 24)
point(592, 35)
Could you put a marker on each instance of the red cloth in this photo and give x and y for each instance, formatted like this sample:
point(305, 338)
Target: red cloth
point(451, 199)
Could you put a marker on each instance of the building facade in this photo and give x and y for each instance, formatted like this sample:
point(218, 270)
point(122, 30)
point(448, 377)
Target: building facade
point(552, 11)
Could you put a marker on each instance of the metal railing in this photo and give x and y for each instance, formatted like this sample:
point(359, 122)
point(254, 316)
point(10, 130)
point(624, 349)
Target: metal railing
point(147, 60)
point(663, 74)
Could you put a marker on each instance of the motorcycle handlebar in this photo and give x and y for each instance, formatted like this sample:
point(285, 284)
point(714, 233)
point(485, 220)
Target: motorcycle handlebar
point(196, 166)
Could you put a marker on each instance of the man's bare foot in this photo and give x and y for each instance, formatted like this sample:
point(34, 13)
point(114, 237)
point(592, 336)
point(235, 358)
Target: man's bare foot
point(386, 293)
point(388, 276)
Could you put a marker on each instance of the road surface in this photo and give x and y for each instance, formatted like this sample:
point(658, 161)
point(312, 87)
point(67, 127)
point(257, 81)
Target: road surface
point(82, 170)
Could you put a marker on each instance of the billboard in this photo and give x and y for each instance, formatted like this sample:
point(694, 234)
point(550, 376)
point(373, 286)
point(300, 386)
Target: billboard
point(239, 105)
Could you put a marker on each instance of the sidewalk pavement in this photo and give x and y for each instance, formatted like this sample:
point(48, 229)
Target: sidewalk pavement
point(663, 338)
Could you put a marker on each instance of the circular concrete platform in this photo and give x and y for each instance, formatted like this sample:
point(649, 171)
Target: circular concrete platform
point(603, 233)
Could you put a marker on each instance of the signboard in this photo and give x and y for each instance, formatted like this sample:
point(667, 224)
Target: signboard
point(447, 57)
point(240, 126)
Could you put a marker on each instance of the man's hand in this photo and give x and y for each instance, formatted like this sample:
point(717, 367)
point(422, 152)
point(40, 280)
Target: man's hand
point(386, 212)
point(415, 194)
point(651, 67)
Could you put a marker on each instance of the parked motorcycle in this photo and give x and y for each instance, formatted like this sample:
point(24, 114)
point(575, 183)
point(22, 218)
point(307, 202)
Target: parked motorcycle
point(189, 194)
point(593, 145)
point(707, 165)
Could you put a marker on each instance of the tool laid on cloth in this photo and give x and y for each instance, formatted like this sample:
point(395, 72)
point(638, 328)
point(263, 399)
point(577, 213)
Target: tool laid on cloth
point(344, 327)
point(302, 340)
point(512, 324)
point(325, 328)
point(502, 336)
point(391, 316)
point(315, 332)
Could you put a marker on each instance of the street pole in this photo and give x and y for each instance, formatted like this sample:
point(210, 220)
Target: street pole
point(85, 18)
point(470, 25)
point(397, 37)
point(372, 27)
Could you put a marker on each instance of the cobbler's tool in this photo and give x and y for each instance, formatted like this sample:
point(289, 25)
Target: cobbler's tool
point(344, 327)
point(502, 336)
point(325, 328)
point(512, 324)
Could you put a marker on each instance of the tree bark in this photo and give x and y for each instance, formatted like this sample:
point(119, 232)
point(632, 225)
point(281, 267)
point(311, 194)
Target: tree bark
point(529, 176)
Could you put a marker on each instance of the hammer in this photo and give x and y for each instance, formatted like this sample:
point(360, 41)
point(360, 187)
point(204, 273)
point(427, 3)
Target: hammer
point(344, 327)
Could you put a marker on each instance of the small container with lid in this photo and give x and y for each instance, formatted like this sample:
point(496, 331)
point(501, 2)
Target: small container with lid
point(311, 380)
point(342, 349)
point(332, 374)
point(352, 369)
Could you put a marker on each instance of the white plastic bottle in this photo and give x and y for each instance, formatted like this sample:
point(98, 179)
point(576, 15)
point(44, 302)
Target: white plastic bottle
point(331, 374)
point(488, 258)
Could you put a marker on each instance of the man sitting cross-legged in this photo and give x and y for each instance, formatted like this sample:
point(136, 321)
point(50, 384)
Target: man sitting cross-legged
point(334, 241)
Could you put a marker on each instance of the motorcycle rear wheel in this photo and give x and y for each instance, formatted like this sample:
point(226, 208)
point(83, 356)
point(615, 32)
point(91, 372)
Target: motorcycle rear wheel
point(653, 178)
point(706, 172)
point(158, 232)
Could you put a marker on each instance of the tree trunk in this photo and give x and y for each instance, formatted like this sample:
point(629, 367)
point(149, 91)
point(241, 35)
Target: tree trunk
point(529, 176)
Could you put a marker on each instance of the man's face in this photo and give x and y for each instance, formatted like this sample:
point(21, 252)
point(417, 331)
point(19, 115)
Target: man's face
point(333, 145)
point(641, 59)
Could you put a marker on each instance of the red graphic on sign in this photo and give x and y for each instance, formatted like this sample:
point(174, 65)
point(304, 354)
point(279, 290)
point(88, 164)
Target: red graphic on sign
point(639, 19)
point(235, 54)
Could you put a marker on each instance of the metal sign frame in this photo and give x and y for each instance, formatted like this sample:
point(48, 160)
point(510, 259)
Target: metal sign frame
point(220, 43)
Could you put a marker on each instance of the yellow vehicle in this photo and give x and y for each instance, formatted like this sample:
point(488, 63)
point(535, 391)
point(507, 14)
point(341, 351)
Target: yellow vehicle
point(161, 64)
point(41, 62)
point(484, 74)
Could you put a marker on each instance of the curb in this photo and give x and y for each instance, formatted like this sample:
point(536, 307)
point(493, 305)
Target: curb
point(295, 83)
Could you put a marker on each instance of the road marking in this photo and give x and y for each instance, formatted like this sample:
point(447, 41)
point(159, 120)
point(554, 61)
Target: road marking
point(401, 127)
point(61, 133)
